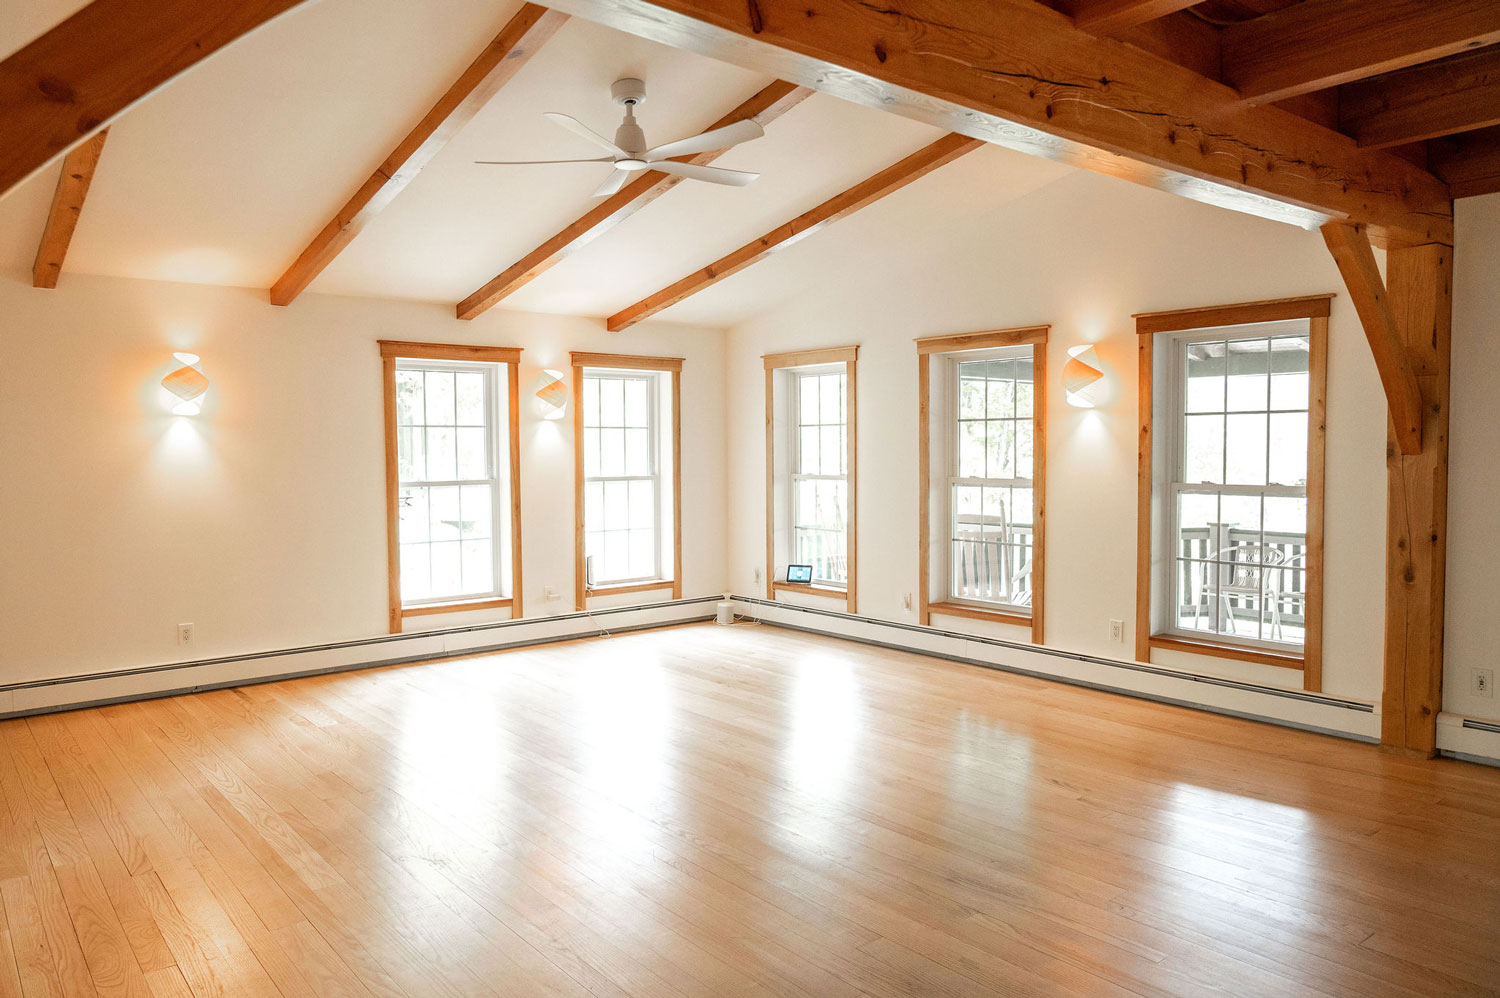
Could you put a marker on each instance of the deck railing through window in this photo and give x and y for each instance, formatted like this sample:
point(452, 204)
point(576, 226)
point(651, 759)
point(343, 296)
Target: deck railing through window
point(1200, 543)
point(991, 564)
point(824, 551)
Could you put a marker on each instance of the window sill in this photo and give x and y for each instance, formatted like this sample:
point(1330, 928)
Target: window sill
point(979, 613)
point(830, 592)
point(1241, 653)
point(630, 587)
point(424, 609)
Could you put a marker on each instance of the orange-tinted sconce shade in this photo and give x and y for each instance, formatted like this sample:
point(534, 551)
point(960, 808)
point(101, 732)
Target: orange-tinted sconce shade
point(187, 385)
point(1082, 377)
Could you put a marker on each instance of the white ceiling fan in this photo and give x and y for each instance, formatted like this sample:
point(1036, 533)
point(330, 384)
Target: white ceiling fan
point(631, 155)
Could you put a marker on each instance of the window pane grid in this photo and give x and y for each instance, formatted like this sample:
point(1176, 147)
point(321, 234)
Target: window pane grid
point(990, 498)
point(1238, 491)
point(622, 483)
point(820, 464)
point(446, 501)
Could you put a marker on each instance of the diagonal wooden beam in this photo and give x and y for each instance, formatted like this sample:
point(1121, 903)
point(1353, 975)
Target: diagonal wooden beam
point(1350, 246)
point(67, 204)
point(1321, 43)
point(1107, 16)
point(1457, 94)
point(765, 107)
point(1021, 75)
point(71, 81)
point(501, 59)
point(920, 163)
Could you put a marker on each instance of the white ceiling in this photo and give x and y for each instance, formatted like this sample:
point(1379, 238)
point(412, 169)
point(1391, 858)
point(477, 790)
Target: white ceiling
point(222, 176)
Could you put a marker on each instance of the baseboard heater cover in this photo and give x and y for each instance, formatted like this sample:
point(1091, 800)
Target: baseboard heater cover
point(1291, 708)
point(39, 696)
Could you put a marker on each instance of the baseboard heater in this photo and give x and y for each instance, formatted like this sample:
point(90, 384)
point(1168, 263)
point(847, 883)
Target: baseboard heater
point(173, 678)
point(1292, 708)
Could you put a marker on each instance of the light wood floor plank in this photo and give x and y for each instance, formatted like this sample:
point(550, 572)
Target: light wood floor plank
point(730, 811)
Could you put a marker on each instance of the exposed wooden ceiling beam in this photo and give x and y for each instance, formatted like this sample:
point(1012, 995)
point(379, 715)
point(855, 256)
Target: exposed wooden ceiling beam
point(1107, 16)
point(765, 107)
point(67, 204)
point(501, 59)
point(1323, 43)
point(1469, 163)
point(1350, 246)
point(66, 84)
point(1457, 94)
point(920, 163)
point(1019, 74)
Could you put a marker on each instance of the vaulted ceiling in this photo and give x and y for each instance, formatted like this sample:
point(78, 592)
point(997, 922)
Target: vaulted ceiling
point(225, 174)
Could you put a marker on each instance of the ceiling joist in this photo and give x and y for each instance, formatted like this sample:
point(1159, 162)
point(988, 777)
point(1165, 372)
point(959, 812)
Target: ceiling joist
point(67, 206)
point(1470, 164)
point(68, 83)
point(1019, 74)
point(1351, 250)
point(920, 163)
point(501, 59)
point(1108, 16)
point(765, 107)
point(1458, 94)
point(1322, 43)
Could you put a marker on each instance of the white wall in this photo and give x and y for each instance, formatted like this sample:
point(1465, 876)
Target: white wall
point(1083, 253)
point(262, 521)
point(1474, 460)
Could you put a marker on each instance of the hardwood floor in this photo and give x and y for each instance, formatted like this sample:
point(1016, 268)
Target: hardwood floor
point(728, 811)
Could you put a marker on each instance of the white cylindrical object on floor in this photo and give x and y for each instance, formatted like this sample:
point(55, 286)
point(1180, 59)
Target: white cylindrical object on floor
point(726, 613)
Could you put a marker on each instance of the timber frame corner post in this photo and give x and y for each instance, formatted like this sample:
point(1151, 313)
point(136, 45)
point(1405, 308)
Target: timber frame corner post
point(616, 361)
point(848, 356)
point(1316, 310)
point(1407, 319)
point(390, 352)
point(955, 345)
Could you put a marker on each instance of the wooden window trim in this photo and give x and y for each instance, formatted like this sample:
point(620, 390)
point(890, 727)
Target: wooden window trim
point(1316, 309)
point(848, 356)
point(1036, 337)
point(947, 608)
point(959, 342)
point(1243, 313)
point(828, 592)
point(390, 351)
point(625, 362)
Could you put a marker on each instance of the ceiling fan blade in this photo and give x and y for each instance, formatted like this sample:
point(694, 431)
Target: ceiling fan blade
point(719, 138)
point(539, 162)
point(612, 183)
point(579, 128)
point(712, 174)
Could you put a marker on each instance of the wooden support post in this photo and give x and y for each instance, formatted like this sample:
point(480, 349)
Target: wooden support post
point(1420, 281)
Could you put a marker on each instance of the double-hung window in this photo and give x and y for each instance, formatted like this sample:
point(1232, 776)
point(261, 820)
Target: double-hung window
point(819, 480)
point(450, 477)
point(627, 425)
point(1236, 482)
point(811, 473)
point(982, 411)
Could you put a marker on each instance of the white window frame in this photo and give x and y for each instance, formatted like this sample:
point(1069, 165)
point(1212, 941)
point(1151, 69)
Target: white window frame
point(653, 433)
point(794, 444)
point(953, 444)
point(492, 476)
point(1174, 484)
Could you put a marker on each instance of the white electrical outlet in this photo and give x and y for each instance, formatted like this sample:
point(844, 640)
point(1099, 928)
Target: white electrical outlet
point(1482, 682)
point(1117, 631)
point(906, 601)
point(184, 634)
point(756, 573)
point(549, 594)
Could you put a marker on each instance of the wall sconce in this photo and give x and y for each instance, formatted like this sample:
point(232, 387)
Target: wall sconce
point(553, 394)
point(1082, 377)
point(187, 385)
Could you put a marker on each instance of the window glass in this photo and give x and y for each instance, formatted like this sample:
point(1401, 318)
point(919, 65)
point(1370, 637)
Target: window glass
point(819, 486)
point(622, 481)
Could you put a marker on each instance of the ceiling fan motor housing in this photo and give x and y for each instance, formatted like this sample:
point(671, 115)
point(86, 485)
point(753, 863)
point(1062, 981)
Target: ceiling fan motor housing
point(629, 92)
